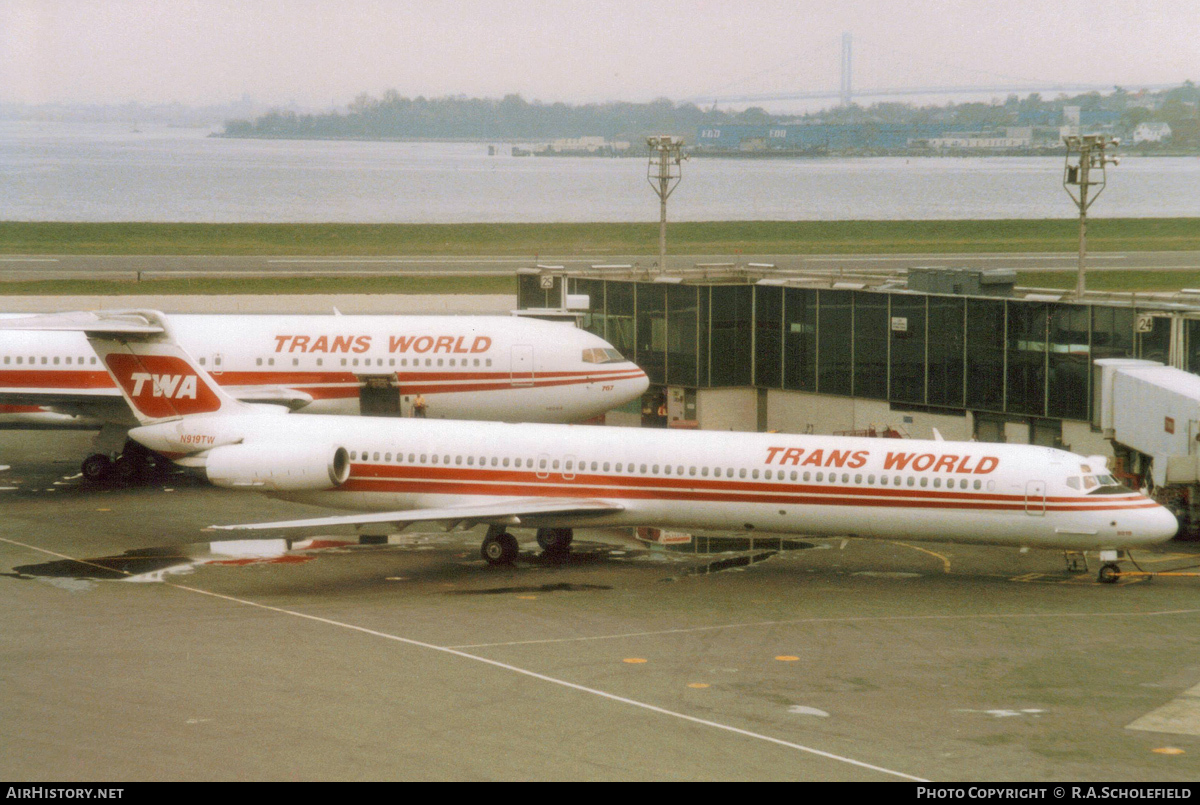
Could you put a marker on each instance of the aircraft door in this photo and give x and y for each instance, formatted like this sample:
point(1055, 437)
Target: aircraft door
point(521, 368)
point(543, 465)
point(568, 472)
point(218, 364)
point(1035, 498)
point(378, 395)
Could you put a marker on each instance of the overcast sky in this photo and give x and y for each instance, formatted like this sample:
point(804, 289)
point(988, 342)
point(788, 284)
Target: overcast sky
point(323, 52)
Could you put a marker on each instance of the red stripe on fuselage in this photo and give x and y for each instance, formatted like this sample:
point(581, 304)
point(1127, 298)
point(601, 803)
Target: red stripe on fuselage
point(408, 479)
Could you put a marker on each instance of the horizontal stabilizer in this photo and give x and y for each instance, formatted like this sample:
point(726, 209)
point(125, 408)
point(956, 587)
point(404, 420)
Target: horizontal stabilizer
point(101, 323)
point(509, 512)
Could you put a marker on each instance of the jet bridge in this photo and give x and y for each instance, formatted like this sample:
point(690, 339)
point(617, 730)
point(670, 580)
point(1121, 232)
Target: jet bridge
point(1151, 413)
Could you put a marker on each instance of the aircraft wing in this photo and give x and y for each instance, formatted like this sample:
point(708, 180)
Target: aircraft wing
point(509, 512)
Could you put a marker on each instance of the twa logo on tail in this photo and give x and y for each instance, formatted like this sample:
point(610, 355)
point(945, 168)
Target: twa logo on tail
point(162, 386)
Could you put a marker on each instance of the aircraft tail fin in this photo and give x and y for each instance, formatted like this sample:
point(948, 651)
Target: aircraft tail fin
point(158, 378)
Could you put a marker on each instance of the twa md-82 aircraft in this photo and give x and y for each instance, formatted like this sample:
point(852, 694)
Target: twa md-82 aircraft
point(555, 478)
point(465, 367)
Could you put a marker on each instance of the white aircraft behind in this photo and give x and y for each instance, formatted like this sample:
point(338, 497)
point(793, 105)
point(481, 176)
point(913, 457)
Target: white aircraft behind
point(465, 367)
point(396, 472)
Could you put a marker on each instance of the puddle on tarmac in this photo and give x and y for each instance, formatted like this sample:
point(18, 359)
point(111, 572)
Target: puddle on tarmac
point(152, 564)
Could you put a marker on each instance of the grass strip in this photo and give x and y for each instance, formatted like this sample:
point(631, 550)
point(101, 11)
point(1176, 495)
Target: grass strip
point(532, 240)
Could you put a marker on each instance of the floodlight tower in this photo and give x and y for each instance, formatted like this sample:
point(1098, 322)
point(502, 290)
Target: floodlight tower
point(664, 173)
point(1085, 169)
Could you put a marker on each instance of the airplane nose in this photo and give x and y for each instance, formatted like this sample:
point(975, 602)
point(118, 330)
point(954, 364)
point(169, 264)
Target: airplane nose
point(1163, 524)
point(640, 383)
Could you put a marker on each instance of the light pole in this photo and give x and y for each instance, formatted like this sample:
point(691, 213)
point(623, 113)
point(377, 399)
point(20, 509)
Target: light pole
point(664, 173)
point(1080, 176)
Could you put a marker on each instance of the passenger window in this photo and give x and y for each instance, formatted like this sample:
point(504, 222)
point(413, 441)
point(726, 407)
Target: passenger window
point(978, 484)
point(820, 477)
point(767, 475)
point(458, 459)
point(937, 483)
point(742, 472)
point(754, 474)
point(858, 479)
point(642, 469)
point(387, 456)
point(807, 476)
point(911, 480)
point(924, 482)
point(257, 361)
point(505, 462)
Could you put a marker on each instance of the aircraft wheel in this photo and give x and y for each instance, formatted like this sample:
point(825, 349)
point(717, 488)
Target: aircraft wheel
point(555, 540)
point(500, 549)
point(126, 469)
point(96, 468)
point(1110, 573)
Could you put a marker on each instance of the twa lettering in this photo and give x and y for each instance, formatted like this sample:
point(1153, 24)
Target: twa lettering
point(178, 386)
point(449, 344)
point(918, 462)
point(162, 385)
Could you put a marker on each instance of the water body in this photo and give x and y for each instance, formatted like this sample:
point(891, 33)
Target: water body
point(109, 172)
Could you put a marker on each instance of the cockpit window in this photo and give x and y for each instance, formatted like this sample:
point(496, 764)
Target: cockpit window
point(1073, 482)
point(600, 355)
point(1090, 482)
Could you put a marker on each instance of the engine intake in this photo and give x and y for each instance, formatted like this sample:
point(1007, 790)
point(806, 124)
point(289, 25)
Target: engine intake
point(278, 467)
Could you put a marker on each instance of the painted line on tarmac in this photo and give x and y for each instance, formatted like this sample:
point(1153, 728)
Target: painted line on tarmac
point(514, 669)
point(834, 621)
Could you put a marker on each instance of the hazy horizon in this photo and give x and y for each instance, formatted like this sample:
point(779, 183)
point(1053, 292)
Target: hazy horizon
point(320, 54)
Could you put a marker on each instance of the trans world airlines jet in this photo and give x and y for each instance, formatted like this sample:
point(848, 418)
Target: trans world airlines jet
point(555, 478)
point(465, 367)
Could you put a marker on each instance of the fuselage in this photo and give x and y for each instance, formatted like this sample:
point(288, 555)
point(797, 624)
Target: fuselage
point(741, 482)
point(466, 367)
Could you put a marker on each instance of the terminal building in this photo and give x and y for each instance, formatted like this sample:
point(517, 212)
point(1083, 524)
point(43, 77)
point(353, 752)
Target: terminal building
point(961, 351)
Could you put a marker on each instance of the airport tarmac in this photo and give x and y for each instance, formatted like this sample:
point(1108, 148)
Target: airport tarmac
point(175, 659)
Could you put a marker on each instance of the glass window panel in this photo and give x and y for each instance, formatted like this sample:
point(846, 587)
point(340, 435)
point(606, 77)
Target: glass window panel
point(681, 335)
point(908, 349)
point(946, 351)
point(1026, 358)
point(618, 300)
point(768, 336)
point(702, 336)
point(652, 330)
point(800, 339)
point(985, 354)
point(731, 314)
point(870, 345)
point(1070, 361)
point(834, 335)
point(1155, 345)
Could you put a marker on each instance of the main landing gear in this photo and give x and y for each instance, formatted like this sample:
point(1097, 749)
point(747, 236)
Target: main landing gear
point(500, 547)
point(133, 464)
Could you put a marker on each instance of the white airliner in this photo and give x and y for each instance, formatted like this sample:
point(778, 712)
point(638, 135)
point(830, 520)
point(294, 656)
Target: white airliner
point(396, 472)
point(466, 367)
